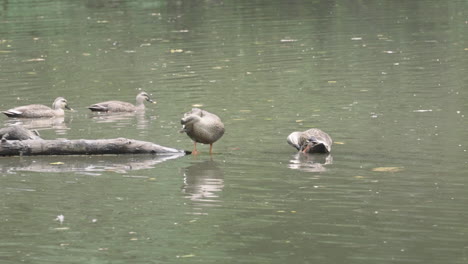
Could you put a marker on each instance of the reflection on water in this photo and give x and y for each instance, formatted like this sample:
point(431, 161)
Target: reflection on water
point(56, 123)
point(122, 119)
point(310, 162)
point(92, 165)
point(202, 183)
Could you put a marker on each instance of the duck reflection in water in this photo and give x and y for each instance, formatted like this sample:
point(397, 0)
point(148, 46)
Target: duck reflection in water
point(57, 123)
point(202, 182)
point(121, 119)
point(310, 162)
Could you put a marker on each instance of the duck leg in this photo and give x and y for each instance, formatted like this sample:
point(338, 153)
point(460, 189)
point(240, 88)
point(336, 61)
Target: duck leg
point(195, 152)
point(211, 148)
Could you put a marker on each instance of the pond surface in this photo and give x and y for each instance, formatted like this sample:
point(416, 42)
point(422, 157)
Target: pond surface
point(386, 79)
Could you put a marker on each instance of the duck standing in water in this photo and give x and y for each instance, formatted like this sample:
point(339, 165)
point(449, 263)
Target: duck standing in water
point(313, 140)
point(202, 127)
point(119, 106)
point(38, 110)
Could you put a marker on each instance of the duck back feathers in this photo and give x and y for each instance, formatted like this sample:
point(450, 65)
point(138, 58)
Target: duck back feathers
point(202, 126)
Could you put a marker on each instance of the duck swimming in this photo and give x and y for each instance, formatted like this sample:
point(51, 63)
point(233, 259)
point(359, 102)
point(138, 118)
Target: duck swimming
point(119, 106)
point(38, 110)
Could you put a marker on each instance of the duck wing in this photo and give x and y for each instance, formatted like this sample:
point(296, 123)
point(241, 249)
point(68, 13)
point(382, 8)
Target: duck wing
point(112, 106)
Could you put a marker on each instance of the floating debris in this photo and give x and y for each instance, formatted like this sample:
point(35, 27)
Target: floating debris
point(422, 110)
point(35, 60)
point(388, 169)
point(187, 256)
point(60, 218)
point(288, 40)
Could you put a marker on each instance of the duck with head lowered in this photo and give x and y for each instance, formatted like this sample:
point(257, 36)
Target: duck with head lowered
point(313, 140)
point(202, 127)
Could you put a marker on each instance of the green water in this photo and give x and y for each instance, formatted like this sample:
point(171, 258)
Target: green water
point(386, 79)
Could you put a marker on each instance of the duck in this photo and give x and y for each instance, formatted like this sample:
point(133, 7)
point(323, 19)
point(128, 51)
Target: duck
point(39, 111)
point(119, 106)
point(202, 127)
point(313, 140)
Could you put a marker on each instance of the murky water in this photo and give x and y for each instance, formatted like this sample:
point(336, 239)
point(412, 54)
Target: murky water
point(386, 79)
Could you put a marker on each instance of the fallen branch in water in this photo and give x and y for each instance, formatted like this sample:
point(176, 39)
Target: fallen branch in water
point(38, 146)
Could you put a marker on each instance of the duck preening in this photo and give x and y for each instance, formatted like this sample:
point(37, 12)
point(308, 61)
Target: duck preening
point(313, 140)
point(202, 127)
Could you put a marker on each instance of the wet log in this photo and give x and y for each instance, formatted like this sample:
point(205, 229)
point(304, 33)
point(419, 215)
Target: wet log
point(82, 147)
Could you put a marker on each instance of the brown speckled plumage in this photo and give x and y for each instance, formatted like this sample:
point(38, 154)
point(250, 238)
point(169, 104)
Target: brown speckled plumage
point(38, 110)
point(313, 140)
point(202, 127)
point(119, 106)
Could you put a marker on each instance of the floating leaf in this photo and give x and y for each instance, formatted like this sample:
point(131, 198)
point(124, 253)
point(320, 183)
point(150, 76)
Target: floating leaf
point(177, 50)
point(56, 163)
point(338, 143)
point(245, 111)
point(188, 256)
point(388, 169)
point(331, 81)
point(197, 105)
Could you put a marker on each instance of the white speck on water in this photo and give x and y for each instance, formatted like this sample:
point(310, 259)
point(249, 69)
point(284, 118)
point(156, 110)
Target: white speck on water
point(60, 218)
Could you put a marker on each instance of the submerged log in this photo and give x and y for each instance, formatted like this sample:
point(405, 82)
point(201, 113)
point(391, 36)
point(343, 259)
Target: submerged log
point(82, 147)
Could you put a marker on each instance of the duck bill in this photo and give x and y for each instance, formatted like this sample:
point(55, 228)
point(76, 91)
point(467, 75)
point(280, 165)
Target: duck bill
point(68, 108)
